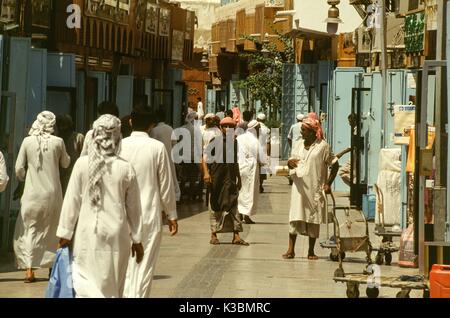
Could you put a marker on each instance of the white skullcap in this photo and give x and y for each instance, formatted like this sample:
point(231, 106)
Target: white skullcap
point(261, 116)
point(209, 115)
point(300, 117)
point(253, 124)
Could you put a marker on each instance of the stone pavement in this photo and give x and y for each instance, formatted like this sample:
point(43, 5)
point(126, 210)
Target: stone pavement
point(188, 266)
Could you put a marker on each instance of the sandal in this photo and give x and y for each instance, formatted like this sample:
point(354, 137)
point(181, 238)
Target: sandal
point(28, 280)
point(240, 242)
point(288, 255)
point(214, 241)
point(313, 257)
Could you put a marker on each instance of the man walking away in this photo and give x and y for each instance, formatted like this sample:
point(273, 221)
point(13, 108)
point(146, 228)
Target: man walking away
point(74, 145)
point(104, 108)
point(102, 214)
point(265, 148)
point(40, 156)
point(152, 166)
point(163, 133)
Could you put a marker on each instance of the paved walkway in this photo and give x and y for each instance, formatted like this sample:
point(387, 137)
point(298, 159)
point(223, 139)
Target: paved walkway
point(189, 266)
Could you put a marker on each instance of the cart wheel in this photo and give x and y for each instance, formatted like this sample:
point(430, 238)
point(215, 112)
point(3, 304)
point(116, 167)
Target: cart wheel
point(352, 290)
point(339, 272)
point(334, 257)
point(403, 294)
point(388, 258)
point(379, 259)
point(372, 292)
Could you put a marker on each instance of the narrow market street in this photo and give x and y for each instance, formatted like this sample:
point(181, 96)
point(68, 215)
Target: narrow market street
point(189, 267)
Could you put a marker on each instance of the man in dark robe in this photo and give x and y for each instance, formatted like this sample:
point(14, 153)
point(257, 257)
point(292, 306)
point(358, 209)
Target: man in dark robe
point(223, 178)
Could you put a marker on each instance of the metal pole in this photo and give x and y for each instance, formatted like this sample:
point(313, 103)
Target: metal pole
point(440, 143)
point(384, 71)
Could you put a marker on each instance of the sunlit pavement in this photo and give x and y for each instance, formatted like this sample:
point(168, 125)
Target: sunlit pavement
point(188, 266)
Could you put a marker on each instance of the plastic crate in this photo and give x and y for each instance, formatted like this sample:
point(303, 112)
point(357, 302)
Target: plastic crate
point(368, 206)
point(440, 281)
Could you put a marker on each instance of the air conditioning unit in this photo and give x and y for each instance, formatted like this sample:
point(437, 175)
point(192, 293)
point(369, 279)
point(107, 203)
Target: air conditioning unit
point(401, 7)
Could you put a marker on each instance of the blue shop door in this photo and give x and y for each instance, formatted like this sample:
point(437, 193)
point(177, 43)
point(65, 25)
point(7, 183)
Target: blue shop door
point(339, 134)
point(13, 127)
point(61, 85)
point(124, 96)
point(102, 85)
point(375, 136)
point(37, 94)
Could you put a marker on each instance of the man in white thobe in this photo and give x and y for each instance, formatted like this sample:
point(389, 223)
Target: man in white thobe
point(3, 174)
point(295, 132)
point(309, 165)
point(248, 154)
point(152, 165)
point(40, 156)
point(164, 133)
point(264, 141)
point(200, 110)
point(102, 214)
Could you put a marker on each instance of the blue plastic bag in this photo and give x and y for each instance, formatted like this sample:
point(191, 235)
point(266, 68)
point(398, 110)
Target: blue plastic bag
point(60, 284)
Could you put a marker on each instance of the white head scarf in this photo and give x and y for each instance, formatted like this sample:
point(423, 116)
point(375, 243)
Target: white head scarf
point(43, 127)
point(105, 145)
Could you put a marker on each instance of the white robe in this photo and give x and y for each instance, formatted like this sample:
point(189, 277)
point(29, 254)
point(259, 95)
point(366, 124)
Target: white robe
point(163, 133)
point(248, 148)
point(35, 241)
point(307, 200)
point(86, 143)
point(101, 241)
point(151, 163)
point(3, 174)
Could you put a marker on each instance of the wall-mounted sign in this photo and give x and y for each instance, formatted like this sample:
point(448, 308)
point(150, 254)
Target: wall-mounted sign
point(177, 45)
point(9, 11)
point(112, 10)
point(415, 32)
point(404, 118)
point(41, 13)
point(164, 22)
point(275, 3)
point(151, 23)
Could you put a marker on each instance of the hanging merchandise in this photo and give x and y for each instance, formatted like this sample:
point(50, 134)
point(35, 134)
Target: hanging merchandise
point(388, 187)
point(406, 256)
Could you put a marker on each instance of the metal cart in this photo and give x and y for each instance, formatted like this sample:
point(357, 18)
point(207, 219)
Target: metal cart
point(350, 232)
point(387, 246)
point(374, 283)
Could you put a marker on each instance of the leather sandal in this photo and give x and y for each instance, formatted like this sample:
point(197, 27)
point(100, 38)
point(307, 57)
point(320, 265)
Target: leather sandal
point(313, 257)
point(241, 242)
point(288, 256)
point(214, 241)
